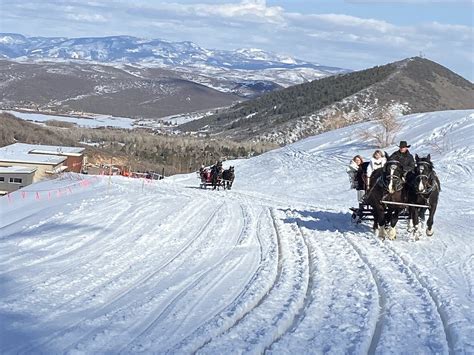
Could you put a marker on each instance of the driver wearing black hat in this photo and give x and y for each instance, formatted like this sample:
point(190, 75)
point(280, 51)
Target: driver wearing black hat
point(404, 157)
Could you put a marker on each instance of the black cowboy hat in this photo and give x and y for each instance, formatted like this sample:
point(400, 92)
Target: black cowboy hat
point(403, 144)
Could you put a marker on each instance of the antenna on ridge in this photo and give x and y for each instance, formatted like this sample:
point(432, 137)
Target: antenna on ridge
point(422, 55)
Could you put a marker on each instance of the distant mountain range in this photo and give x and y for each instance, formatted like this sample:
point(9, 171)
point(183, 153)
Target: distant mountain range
point(408, 86)
point(244, 64)
point(127, 91)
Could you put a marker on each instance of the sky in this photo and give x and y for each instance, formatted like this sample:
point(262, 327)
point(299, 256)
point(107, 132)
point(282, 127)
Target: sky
point(353, 34)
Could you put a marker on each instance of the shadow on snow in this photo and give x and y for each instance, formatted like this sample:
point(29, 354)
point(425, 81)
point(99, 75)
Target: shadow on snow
point(326, 221)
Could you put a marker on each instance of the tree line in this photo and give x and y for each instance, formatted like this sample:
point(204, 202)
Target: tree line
point(138, 149)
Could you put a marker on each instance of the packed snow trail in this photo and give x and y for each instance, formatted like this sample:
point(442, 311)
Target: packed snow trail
point(97, 264)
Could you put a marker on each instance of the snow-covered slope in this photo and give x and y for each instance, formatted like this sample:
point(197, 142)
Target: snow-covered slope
point(119, 265)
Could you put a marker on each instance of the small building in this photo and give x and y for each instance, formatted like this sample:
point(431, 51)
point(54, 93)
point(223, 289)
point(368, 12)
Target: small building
point(74, 155)
point(46, 159)
point(13, 178)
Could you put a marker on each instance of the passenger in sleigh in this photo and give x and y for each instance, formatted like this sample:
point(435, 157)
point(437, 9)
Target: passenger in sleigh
point(205, 173)
point(357, 171)
point(377, 161)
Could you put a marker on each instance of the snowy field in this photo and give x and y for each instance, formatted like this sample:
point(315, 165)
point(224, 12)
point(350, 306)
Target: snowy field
point(274, 265)
point(97, 121)
point(93, 122)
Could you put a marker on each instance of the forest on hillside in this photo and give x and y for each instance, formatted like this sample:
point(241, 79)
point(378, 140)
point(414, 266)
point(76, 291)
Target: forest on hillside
point(296, 101)
point(138, 149)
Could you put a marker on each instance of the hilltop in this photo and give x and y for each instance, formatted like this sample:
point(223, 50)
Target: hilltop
point(409, 86)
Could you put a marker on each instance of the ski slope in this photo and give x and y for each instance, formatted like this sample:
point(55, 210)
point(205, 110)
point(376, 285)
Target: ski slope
point(97, 264)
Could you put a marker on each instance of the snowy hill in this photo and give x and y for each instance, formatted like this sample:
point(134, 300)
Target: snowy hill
point(248, 64)
point(411, 85)
point(120, 265)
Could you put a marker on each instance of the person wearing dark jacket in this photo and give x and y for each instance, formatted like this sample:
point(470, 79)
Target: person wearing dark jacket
point(403, 156)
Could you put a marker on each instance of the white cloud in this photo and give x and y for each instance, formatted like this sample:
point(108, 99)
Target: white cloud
point(337, 39)
point(86, 17)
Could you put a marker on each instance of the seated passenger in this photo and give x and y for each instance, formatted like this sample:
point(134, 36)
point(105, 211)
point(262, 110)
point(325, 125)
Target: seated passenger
point(356, 171)
point(377, 161)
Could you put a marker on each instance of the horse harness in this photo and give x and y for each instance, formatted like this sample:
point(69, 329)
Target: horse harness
point(431, 184)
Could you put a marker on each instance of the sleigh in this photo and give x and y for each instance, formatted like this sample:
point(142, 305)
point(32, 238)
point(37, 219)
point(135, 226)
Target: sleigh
point(365, 211)
point(205, 176)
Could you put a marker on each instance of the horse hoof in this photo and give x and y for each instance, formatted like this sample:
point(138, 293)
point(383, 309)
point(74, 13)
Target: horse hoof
point(381, 233)
point(429, 232)
point(392, 234)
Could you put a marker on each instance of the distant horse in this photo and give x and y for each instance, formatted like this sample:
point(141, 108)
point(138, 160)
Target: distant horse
point(228, 178)
point(424, 191)
point(216, 176)
point(389, 185)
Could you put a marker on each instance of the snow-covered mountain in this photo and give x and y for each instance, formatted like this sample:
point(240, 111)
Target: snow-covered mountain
point(156, 52)
point(96, 265)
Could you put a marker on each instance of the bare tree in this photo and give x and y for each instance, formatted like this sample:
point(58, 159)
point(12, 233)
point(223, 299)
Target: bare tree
point(386, 128)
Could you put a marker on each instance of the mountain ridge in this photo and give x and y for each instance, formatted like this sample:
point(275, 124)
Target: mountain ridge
point(411, 85)
point(156, 52)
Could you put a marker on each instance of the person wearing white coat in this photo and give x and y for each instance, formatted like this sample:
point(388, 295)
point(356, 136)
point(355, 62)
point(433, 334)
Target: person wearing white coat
point(377, 161)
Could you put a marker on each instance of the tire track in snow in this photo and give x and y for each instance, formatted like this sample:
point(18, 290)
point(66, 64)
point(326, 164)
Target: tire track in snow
point(253, 333)
point(62, 255)
point(52, 276)
point(122, 251)
point(423, 328)
point(382, 299)
point(186, 289)
point(232, 314)
point(121, 295)
point(436, 298)
point(301, 312)
point(333, 290)
point(92, 244)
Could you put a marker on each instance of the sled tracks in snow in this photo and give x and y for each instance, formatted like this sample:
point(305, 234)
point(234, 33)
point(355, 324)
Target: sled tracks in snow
point(119, 300)
point(419, 308)
point(284, 275)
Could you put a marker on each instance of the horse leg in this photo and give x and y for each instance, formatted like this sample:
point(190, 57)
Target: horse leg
point(392, 232)
point(429, 223)
point(414, 212)
point(214, 182)
point(411, 220)
point(375, 226)
point(379, 219)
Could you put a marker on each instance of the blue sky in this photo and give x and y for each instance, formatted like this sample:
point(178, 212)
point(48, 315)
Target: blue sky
point(352, 34)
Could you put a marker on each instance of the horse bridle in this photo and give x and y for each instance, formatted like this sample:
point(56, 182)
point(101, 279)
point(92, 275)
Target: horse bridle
point(398, 181)
point(431, 183)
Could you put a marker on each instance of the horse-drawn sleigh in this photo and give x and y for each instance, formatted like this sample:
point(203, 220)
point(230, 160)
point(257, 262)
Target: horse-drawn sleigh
point(394, 196)
point(216, 177)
